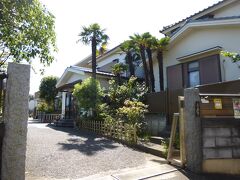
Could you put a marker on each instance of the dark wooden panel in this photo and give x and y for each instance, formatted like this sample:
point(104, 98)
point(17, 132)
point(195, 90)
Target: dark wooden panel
point(174, 77)
point(230, 87)
point(210, 69)
point(215, 112)
point(157, 102)
point(208, 109)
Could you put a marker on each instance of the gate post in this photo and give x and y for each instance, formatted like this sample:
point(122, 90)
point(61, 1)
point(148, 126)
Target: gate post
point(193, 135)
point(15, 119)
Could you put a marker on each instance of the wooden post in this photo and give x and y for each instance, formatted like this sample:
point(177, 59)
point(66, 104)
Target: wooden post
point(135, 133)
point(182, 129)
point(172, 137)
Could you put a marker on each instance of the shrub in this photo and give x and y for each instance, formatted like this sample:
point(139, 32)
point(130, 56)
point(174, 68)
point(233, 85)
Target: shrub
point(44, 107)
point(132, 112)
point(88, 94)
point(130, 90)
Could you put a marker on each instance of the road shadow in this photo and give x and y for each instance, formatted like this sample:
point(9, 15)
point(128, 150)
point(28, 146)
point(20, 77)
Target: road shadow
point(88, 143)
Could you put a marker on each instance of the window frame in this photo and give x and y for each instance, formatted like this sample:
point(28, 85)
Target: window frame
point(189, 70)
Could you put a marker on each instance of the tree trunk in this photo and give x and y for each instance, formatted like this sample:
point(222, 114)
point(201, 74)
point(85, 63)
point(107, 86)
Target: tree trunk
point(160, 66)
point(152, 79)
point(142, 51)
point(130, 64)
point(119, 79)
point(94, 61)
point(94, 67)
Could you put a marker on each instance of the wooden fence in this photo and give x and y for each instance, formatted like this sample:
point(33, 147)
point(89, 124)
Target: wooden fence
point(47, 118)
point(117, 130)
point(165, 102)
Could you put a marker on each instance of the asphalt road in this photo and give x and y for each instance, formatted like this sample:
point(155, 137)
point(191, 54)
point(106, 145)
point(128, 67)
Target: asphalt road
point(68, 153)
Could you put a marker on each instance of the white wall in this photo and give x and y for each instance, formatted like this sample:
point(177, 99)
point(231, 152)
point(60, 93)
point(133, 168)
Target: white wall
point(76, 77)
point(230, 10)
point(202, 39)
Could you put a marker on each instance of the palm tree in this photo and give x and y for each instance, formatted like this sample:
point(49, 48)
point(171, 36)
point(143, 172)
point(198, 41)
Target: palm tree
point(150, 42)
point(140, 42)
point(127, 47)
point(160, 46)
point(95, 36)
point(118, 69)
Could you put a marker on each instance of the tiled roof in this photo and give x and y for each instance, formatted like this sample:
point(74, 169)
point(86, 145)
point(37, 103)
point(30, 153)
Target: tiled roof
point(169, 26)
point(205, 20)
point(89, 70)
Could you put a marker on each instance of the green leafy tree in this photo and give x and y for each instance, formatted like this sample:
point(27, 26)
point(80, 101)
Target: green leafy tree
point(160, 46)
point(131, 90)
point(119, 69)
point(48, 89)
point(26, 31)
point(88, 94)
point(95, 36)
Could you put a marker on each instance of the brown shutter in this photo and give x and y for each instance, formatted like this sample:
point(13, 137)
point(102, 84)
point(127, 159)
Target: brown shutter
point(210, 69)
point(174, 77)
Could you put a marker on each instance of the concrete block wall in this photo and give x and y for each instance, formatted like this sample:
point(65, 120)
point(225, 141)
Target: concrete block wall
point(221, 143)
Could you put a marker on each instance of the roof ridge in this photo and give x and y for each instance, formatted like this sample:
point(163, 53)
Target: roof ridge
point(187, 18)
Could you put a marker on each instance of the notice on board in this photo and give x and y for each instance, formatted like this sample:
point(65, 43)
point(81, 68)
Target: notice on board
point(236, 108)
point(217, 103)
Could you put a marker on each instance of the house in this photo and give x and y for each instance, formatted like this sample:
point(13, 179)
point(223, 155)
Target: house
point(193, 56)
point(82, 70)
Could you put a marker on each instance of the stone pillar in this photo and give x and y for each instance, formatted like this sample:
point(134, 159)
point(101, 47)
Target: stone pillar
point(15, 119)
point(63, 104)
point(193, 135)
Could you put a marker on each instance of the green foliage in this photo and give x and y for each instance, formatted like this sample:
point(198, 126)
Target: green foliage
point(130, 90)
point(88, 94)
point(26, 31)
point(44, 107)
point(132, 111)
point(234, 56)
point(48, 89)
point(119, 68)
point(93, 30)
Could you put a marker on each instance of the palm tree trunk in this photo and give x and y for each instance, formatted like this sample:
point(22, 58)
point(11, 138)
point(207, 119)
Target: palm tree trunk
point(119, 79)
point(94, 67)
point(160, 66)
point(94, 61)
point(152, 79)
point(142, 52)
point(130, 64)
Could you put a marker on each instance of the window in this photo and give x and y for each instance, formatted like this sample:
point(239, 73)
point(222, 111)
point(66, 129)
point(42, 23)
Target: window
point(193, 74)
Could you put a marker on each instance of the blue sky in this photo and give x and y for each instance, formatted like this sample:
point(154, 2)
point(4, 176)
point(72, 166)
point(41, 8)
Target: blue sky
point(121, 18)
